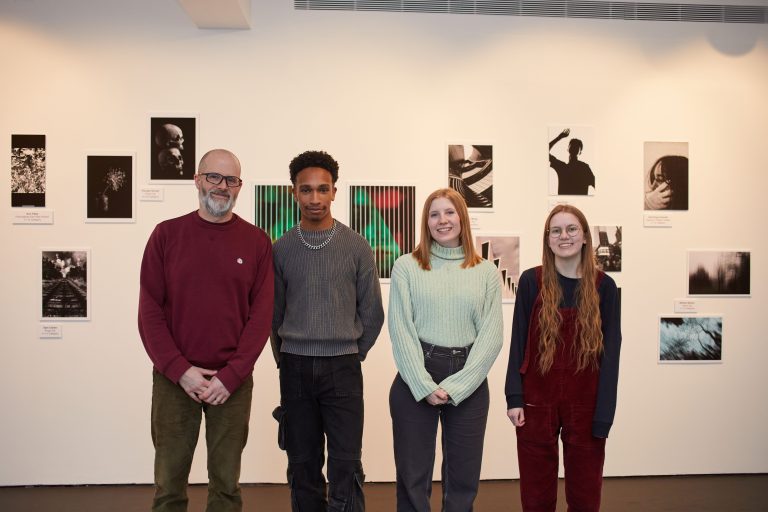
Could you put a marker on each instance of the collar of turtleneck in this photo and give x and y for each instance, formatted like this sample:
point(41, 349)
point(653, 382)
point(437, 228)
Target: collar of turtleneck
point(447, 253)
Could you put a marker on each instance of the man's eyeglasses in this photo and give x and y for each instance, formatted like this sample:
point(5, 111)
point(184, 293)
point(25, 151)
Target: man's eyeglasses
point(216, 178)
point(571, 230)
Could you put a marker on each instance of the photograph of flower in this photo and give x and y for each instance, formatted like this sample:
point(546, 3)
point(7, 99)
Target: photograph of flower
point(110, 188)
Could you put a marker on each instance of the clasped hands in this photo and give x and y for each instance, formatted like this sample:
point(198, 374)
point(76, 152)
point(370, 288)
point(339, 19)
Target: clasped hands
point(438, 397)
point(202, 386)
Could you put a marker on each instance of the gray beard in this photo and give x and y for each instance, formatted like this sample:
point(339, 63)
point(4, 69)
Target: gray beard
point(213, 207)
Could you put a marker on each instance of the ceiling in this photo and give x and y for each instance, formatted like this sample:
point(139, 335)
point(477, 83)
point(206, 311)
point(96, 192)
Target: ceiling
point(221, 14)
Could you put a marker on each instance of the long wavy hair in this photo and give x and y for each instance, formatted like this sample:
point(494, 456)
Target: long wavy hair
point(422, 251)
point(589, 335)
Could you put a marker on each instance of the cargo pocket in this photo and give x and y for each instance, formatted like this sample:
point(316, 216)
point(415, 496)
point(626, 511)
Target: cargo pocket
point(279, 415)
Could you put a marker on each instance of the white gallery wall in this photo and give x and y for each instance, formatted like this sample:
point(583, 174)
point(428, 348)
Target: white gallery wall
point(384, 93)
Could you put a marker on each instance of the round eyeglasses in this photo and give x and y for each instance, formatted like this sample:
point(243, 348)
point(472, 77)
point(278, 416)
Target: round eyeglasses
point(570, 230)
point(216, 178)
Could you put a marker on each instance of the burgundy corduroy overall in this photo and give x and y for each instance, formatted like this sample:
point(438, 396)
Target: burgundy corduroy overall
point(560, 402)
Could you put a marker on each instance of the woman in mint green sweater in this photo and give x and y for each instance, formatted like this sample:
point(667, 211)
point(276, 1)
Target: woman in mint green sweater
point(445, 322)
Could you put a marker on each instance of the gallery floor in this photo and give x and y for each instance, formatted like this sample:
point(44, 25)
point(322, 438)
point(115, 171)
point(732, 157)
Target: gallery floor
point(711, 493)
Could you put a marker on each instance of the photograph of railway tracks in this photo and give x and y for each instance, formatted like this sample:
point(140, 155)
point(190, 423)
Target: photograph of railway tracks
point(65, 284)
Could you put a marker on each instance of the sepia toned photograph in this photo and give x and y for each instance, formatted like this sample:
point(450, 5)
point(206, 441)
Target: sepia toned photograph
point(504, 252)
point(65, 278)
point(110, 187)
point(385, 216)
point(666, 175)
point(571, 156)
point(691, 339)
point(172, 149)
point(470, 173)
point(719, 273)
point(28, 170)
point(275, 210)
point(606, 241)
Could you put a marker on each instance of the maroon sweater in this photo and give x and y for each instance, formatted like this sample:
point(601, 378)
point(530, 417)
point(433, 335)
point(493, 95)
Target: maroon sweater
point(206, 297)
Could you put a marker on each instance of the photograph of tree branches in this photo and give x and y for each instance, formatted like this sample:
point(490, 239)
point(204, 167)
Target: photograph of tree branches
point(691, 339)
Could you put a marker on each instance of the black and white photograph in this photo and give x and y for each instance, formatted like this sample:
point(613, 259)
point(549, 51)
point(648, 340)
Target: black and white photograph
point(110, 188)
point(719, 273)
point(691, 339)
point(571, 157)
point(606, 241)
point(470, 173)
point(665, 178)
point(28, 170)
point(172, 149)
point(64, 291)
point(504, 252)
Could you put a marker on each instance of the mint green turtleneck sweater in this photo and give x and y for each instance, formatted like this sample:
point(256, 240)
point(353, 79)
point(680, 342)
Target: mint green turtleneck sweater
point(447, 306)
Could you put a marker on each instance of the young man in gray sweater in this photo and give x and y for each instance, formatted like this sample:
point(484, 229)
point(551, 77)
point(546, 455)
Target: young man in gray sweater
point(328, 314)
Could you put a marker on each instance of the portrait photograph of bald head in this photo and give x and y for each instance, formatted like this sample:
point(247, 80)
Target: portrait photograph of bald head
point(172, 149)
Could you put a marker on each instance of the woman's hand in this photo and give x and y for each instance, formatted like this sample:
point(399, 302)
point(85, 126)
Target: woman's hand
point(516, 416)
point(438, 397)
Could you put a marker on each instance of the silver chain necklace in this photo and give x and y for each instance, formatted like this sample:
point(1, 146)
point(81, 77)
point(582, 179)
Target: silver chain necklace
point(316, 247)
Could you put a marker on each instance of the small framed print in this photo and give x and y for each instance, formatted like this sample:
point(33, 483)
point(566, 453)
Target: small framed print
point(28, 177)
point(690, 339)
point(110, 187)
point(571, 157)
point(606, 241)
point(385, 215)
point(274, 208)
point(65, 284)
point(470, 173)
point(504, 252)
point(719, 273)
point(173, 148)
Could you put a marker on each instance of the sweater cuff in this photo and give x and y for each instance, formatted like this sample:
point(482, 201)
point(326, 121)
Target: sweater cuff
point(176, 369)
point(514, 401)
point(600, 429)
point(230, 380)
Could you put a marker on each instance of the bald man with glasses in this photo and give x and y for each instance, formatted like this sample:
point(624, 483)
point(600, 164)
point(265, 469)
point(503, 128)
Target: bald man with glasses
point(205, 311)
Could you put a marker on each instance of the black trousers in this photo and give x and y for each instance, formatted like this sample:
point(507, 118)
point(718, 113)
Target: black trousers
point(414, 427)
point(322, 400)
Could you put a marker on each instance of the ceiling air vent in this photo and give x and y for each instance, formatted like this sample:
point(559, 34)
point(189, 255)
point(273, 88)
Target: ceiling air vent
point(590, 9)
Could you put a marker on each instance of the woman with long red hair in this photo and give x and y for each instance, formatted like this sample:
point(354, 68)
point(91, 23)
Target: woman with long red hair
point(445, 322)
point(563, 367)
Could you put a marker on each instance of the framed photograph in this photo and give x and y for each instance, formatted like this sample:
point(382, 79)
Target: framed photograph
point(690, 339)
point(606, 241)
point(504, 252)
point(28, 170)
point(470, 173)
point(719, 273)
point(65, 289)
point(173, 156)
point(571, 157)
point(385, 215)
point(274, 209)
point(110, 187)
point(665, 178)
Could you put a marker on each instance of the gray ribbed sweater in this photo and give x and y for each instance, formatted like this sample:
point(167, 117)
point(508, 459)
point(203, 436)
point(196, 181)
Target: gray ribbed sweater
point(327, 301)
point(448, 306)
